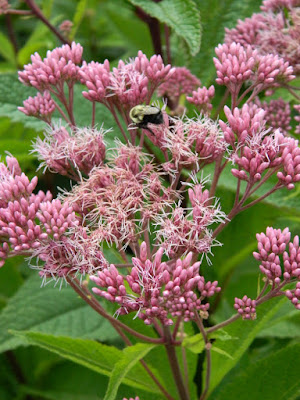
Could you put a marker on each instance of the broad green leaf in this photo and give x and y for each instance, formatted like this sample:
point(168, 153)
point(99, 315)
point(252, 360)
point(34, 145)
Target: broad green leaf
point(245, 331)
point(284, 324)
point(182, 16)
point(131, 355)
point(58, 384)
point(95, 356)
point(10, 279)
point(7, 50)
point(274, 377)
point(79, 14)
point(48, 309)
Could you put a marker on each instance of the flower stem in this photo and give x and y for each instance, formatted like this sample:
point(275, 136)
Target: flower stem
point(208, 355)
point(86, 295)
point(38, 13)
point(171, 353)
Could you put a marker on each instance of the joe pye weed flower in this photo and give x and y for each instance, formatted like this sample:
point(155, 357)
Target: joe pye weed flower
point(147, 197)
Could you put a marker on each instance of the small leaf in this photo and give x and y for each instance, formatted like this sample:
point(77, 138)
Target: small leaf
point(182, 16)
point(131, 355)
point(194, 343)
point(222, 352)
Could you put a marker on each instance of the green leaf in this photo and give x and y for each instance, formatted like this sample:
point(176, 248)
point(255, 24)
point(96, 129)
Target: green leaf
point(274, 377)
point(48, 309)
point(131, 355)
point(95, 356)
point(7, 50)
point(180, 15)
point(79, 14)
point(245, 331)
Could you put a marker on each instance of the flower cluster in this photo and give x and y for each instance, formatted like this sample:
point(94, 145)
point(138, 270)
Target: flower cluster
point(125, 86)
point(245, 307)
point(114, 194)
point(59, 66)
point(277, 114)
point(41, 106)
point(157, 291)
point(237, 64)
point(28, 220)
point(180, 82)
point(71, 154)
point(280, 260)
point(275, 31)
point(202, 98)
point(184, 230)
point(256, 151)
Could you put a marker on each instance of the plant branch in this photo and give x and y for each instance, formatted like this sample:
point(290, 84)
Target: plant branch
point(38, 13)
point(182, 390)
point(86, 295)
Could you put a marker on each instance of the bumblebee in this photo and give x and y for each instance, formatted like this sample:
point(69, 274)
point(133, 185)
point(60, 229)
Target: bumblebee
point(144, 115)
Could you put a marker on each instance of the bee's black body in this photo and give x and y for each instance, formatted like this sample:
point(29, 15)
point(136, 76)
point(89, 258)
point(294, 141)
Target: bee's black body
point(144, 115)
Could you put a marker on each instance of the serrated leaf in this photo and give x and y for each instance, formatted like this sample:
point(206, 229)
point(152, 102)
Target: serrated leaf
point(79, 13)
point(182, 16)
point(274, 377)
point(131, 355)
point(48, 309)
point(95, 356)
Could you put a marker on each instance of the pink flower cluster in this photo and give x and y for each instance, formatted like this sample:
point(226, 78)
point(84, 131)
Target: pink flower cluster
point(181, 81)
point(273, 5)
point(184, 230)
point(157, 291)
point(21, 209)
point(245, 307)
point(202, 98)
point(114, 194)
point(41, 106)
point(188, 142)
point(75, 253)
point(277, 264)
point(271, 32)
point(60, 65)
point(125, 86)
point(131, 398)
point(277, 114)
point(260, 151)
point(236, 64)
point(71, 154)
